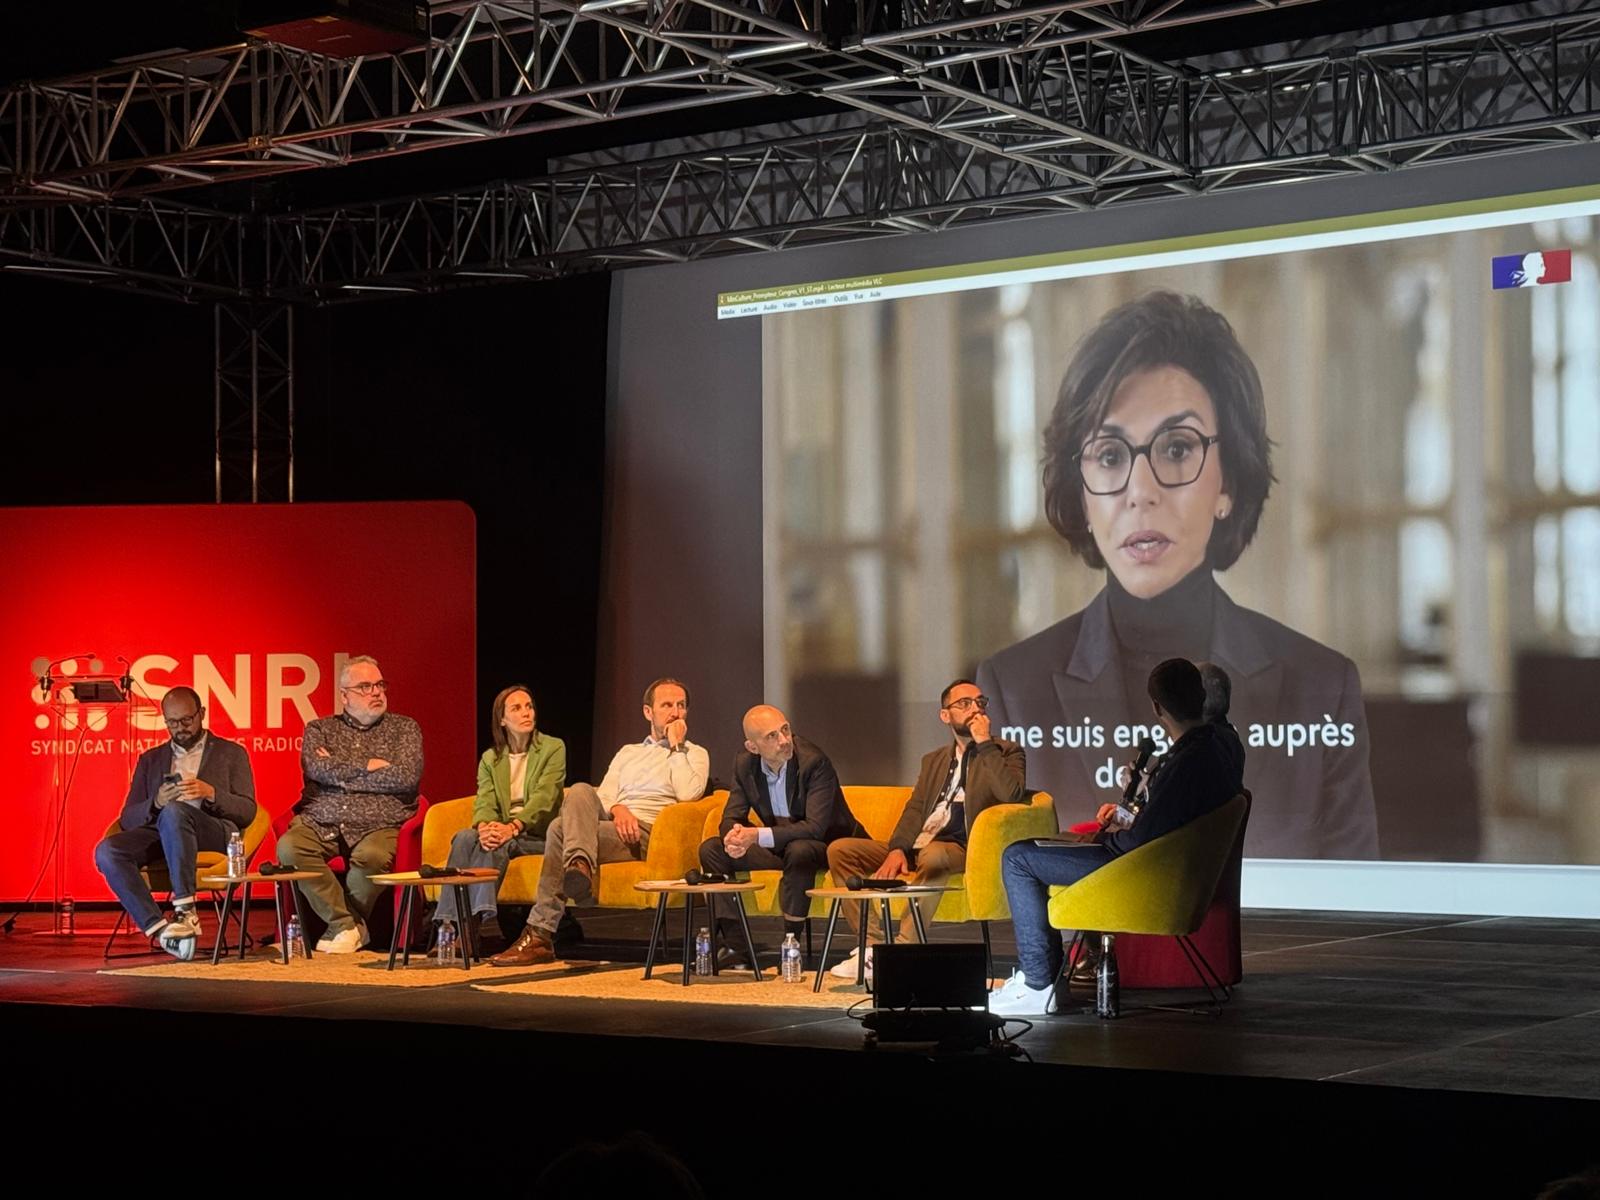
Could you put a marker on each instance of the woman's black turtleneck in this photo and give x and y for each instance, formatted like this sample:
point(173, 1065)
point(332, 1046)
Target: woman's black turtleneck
point(1175, 624)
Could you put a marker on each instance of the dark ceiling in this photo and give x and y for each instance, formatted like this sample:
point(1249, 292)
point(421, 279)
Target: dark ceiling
point(42, 41)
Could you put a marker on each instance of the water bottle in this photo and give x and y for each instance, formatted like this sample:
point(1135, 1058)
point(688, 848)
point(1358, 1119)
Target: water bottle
point(67, 920)
point(790, 964)
point(1107, 1000)
point(291, 934)
point(449, 953)
point(236, 863)
point(702, 951)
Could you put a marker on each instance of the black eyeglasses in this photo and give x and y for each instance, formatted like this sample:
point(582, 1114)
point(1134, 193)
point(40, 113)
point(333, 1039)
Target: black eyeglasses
point(967, 702)
point(1176, 456)
point(366, 689)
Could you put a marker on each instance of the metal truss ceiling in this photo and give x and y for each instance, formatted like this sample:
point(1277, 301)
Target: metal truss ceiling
point(964, 112)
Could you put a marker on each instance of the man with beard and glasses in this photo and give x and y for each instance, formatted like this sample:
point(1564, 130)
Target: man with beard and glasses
point(189, 795)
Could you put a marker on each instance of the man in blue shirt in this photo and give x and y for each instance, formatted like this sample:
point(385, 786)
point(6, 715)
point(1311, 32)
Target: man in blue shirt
point(791, 786)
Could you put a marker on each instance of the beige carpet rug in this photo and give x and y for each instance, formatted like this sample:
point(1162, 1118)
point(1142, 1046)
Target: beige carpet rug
point(364, 968)
point(619, 982)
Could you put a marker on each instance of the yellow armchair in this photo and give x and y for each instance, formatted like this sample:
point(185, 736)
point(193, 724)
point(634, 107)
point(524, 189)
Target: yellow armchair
point(674, 846)
point(1164, 887)
point(440, 824)
point(206, 863)
point(983, 894)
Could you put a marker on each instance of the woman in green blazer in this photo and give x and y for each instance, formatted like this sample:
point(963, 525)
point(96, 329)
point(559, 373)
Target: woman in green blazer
point(519, 793)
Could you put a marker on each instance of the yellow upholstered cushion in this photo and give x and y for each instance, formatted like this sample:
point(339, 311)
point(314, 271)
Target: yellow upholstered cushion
point(1163, 887)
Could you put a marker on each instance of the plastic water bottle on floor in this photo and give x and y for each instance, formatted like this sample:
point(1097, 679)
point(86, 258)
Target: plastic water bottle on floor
point(448, 951)
point(702, 951)
point(1107, 1001)
point(236, 863)
point(792, 967)
point(291, 934)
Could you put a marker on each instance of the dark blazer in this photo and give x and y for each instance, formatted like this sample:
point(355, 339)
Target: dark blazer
point(1200, 773)
point(996, 772)
point(816, 805)
point(224, 765)
point(1316, 803)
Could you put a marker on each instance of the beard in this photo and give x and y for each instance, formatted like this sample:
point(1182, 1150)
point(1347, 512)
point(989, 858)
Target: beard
point(962, 728)
point(187, 741)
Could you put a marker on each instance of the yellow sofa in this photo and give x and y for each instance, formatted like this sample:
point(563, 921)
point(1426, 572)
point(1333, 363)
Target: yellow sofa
point(674, 848)
point(977, 894)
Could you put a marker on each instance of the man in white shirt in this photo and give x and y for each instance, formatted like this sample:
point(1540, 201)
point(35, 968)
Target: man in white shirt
point(611, 823)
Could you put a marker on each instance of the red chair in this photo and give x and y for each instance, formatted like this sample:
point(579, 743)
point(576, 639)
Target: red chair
point(1147, 961)
point(407, 856)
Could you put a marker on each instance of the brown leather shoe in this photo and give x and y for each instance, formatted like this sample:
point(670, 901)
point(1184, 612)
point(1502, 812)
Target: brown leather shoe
point(529, 950)
point(577, 884)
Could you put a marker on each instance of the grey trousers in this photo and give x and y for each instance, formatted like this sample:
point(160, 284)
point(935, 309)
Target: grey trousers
point(466, 852)
point(583, 830)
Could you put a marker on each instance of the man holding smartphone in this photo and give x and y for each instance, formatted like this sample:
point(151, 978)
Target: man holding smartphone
point(188, 795)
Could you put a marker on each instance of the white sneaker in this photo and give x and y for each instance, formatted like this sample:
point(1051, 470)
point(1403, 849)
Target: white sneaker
point(848, 968)
point(179, 936)
point(347, 941)
point(1014, 998)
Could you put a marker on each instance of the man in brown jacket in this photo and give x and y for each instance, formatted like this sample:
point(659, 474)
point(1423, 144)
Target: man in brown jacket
point(957, 782)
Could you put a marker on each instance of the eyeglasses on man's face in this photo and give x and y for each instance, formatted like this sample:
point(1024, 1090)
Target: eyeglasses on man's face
point(966, 702)
point(1176, 456)
point(367, 689)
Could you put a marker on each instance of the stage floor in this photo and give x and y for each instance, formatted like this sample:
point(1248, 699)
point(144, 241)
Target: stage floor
point(1500, 1005)
point(1375, 1052)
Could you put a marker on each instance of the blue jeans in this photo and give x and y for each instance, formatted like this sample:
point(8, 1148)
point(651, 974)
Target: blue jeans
point(181, 831)
point(1030, 872)
point(465, 852)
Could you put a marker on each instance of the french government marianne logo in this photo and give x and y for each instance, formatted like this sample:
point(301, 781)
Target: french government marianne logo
point(1533, 269)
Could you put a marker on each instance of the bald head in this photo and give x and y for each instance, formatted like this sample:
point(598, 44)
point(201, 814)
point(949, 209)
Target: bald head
point(767, 734)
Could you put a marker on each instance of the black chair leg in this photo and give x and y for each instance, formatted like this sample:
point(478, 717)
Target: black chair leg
point(988, 950)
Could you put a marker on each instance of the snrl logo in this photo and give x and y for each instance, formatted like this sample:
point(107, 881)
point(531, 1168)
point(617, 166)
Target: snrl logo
point(290, 680)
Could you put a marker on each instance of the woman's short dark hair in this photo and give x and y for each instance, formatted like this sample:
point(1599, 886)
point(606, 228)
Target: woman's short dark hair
point(1157, 330)
point(497, 714)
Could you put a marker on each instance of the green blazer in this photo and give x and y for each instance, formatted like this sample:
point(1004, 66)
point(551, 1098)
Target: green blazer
point(541, 798)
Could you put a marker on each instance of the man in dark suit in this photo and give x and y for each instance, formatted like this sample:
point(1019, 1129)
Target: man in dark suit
point(790, 784)
point(1198, 775)
point(960, 779)
point(188, 795)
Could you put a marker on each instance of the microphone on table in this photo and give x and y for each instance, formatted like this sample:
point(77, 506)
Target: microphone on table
point(272, 868)
point(858, 883)
point(694, 877)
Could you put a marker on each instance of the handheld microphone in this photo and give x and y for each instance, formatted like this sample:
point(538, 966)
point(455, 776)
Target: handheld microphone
point(858, 883)
point(694, 877)
point(1146, 749)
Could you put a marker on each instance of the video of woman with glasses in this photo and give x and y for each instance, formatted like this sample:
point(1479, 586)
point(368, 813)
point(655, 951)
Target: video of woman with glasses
point(1157, 465)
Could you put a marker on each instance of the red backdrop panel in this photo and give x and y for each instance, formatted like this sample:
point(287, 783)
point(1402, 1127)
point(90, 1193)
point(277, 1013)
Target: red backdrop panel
point(255, 607)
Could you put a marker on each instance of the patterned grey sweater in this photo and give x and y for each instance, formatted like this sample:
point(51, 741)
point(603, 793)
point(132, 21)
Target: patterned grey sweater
point(341, 794)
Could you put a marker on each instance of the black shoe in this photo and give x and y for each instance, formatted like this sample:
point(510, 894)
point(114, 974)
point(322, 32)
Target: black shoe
point(731, 959)
point(1083, 970)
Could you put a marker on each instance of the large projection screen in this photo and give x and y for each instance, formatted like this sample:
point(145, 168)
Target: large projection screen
point(1406, 442)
